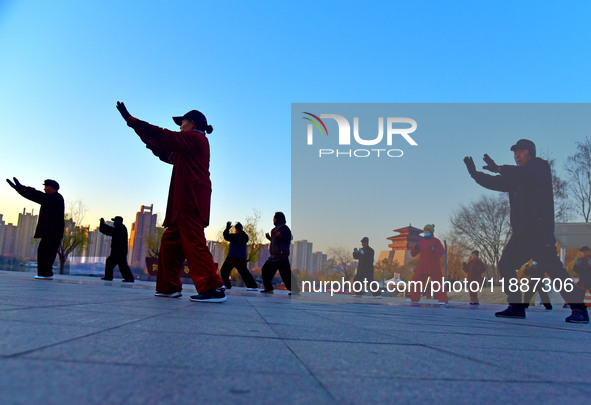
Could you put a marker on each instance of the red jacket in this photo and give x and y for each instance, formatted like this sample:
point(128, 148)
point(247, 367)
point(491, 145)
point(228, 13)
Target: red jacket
point(431, 251)
point(474, 269)
point(189, 194)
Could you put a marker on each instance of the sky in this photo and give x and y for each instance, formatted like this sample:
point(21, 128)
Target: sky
point(65, 64)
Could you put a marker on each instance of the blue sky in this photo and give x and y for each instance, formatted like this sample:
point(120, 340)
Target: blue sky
point(65, 64)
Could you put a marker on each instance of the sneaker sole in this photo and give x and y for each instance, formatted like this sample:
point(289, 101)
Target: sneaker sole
point(576, 321)
point(510, 317)
point(167, 295)
point(252, 289)
point(212, 300)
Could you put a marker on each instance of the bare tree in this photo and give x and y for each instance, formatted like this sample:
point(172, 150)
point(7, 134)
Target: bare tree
point(483, 225)
point(340, 261)
point(562, 204)
point(578, 167)
point(75, 236)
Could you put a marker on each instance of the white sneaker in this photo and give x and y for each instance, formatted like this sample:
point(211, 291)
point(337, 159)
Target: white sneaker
point(441, 304)
point(43, 278)
point(252, 289)
point(176, 294)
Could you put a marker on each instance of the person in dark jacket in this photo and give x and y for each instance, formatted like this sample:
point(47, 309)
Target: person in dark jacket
point(50, 227)
point(237, 257)
point(118, 256)
point(364, 274)
point(474, 270)
point(582, 268)
point(187, 211)
point(529, 185)
point(536, 286)
point(280, 239)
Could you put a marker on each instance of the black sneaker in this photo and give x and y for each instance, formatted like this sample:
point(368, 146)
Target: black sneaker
point(512, 311)
point(131, 280)
point(106, 279)
point(217, 295)
point(548, 307)
point(578, 316)
point(266, 291)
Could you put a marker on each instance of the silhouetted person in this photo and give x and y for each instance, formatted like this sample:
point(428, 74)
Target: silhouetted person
point(237, 257)
point(118, 256)
point(474, 270)
point(187, 211)
point(531, 197)
point(536, 286)
point(280, 238)
point(365, 256)
point(582, 268)
point(50, 226)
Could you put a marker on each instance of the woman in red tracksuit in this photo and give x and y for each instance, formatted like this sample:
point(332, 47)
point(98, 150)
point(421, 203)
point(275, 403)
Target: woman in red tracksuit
point(429, 267)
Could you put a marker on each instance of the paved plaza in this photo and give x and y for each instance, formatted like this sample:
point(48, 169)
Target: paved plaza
point(80, 340)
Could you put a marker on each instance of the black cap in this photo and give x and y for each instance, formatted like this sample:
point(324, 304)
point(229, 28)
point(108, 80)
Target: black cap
point(51, 183)
point(117, 219)
point(365, 239)
point(525, 144)
point(584, 249)
point(198, 118)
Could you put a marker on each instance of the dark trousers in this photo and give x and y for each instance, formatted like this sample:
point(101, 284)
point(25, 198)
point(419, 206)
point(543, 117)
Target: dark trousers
point(46, 253)
point(240, 265)
point(365, 276)
point(541, 248)
point(539, 289)
point(270, 268)
point(117, 260)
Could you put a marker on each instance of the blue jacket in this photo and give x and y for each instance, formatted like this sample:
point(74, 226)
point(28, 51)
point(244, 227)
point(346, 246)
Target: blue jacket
point(238, 241)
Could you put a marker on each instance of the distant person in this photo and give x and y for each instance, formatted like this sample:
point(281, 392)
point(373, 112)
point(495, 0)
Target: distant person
point(187, 211)
point(536, 286)
point(365, 268)
point(118, 256)
point(429, 267)
point(237, 257)
point(582, 268)
point(280, 239)
point(531, 199)
point(50, 226)
point(474, 269)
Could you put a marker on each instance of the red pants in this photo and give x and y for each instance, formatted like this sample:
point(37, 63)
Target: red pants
point(186, 240)
point(415, 294)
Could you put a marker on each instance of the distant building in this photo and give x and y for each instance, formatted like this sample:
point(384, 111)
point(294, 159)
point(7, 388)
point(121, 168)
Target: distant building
point(301, 255)
point(318, 261)
point(99, 246)
point(26, 246)
point(218, 252)
point(401, 245)
point(143, 228)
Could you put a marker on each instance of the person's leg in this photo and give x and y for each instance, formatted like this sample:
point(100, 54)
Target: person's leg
point(124, 268)
point(225, 273)
point(419, 277)
point(473, 294)
point(110, 264)
point(170, 262)
point(268, 272)
point(529, 294)
point(545, 298)
point(288, 277)
point(46, 253)
point(245, 274)
point(203, 269)
point(517, 251)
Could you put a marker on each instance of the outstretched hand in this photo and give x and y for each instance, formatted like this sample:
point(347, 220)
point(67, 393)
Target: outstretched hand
point(16, 185)
point(123, 110)
point(470, 165)
point(228, 225)
point(491, 166)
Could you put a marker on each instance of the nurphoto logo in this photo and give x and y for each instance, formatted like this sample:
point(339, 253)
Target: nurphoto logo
point(395, 127)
